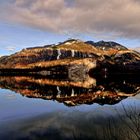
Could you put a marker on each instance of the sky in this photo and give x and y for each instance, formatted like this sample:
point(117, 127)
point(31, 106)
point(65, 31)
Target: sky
point(29, 23)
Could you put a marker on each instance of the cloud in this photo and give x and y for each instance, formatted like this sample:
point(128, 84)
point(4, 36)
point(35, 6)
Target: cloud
point(110, 17)
point(10, 48)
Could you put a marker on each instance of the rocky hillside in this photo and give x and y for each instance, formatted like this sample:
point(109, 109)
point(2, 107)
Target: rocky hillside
point(66, 50)
point(109, 55)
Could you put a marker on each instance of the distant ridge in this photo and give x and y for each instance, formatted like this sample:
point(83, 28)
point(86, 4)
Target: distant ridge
point(105, 45)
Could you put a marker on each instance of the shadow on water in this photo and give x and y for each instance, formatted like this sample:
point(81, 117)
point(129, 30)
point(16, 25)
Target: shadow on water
point(122, 124)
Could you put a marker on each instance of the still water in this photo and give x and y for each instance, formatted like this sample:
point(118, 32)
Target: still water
point(47, 108)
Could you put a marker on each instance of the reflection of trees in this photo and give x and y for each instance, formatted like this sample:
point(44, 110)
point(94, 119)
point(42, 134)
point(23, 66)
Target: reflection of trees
point(127, 126)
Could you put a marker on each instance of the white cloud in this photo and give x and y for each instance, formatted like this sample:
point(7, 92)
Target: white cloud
point(10, 48)
point(114, 17)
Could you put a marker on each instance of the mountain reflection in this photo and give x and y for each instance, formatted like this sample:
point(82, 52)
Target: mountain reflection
point(73, 92)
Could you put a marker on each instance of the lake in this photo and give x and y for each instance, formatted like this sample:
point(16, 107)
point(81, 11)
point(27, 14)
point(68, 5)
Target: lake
point(46, 108)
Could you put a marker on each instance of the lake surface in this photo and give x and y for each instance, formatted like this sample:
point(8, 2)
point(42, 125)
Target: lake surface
point(42, 108)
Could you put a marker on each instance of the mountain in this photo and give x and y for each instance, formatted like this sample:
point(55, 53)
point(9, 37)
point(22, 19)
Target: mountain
point(68, 49)
point(103, 45)
point(74, 53)
point(73, 72)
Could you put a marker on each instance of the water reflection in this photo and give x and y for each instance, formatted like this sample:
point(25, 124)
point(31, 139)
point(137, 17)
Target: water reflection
point(73, 92)
point(118, 118)
point(122, 124)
